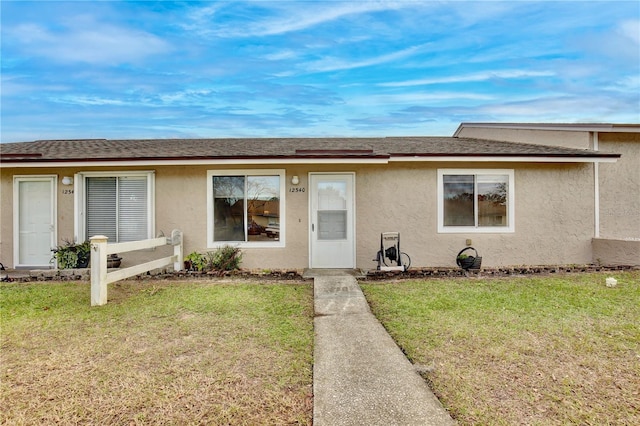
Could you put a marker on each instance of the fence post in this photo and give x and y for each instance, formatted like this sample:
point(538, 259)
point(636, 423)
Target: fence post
point(98, 270)
point(176, 237)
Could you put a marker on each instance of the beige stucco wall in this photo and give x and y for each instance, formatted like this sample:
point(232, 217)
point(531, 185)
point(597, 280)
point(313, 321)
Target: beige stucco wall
point(6, 233)
point(181, 200)
point(620, 186)
point(180, 204)
point(554, 214)
point(616, 252)
point(569, 139)
point(619, 182)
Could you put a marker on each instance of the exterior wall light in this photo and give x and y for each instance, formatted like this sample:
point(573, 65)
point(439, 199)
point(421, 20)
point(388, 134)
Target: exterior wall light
point(67, 180)
point(295, 180)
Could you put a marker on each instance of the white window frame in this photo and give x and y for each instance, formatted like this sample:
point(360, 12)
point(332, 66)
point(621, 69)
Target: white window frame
point(477, 229)
point(246, 244)
point(79, 199)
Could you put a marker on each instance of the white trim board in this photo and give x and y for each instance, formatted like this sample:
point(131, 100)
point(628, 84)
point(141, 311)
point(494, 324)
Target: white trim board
point(276, 162)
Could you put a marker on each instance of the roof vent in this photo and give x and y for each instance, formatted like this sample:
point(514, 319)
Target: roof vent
point(334, 151)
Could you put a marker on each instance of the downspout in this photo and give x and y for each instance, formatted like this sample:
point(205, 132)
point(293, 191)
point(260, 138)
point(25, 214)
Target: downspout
point(596, 188)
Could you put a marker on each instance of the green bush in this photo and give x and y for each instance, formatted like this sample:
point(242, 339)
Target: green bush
point(71, 255)
point(195, 261)
point(225, 258)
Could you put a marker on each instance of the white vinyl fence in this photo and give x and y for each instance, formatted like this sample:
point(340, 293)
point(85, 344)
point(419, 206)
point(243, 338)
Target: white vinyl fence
point(100, 250)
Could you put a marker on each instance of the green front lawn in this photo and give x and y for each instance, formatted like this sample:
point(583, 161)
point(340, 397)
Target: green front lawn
point(157, 353)
point(542, 350)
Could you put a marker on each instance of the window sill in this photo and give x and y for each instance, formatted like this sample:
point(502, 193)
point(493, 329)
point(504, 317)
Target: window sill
point(247, 245)
point(474, 230)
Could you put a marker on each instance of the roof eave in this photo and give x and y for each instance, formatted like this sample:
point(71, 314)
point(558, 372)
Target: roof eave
point(567, 127)
point(508, 158)
point(311, 159)
point(191, 162)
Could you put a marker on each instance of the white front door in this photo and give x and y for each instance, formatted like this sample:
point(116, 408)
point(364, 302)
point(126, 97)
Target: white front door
point(332, 220)
point(34, 220)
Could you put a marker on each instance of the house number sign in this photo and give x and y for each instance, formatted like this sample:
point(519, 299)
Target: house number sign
point(297, 189)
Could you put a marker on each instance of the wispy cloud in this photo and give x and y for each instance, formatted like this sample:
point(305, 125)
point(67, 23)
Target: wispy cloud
point(559, 108)
point(474, 77)
point(281, 55)
point(335, 64)
point(418, 98)
point(554, 109)
point(90, 101)
point(277, 18)
point(22, 85)
point(86, 40)
point(630, 29)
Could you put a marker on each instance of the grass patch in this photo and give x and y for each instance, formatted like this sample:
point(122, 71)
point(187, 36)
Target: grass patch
point(543, 350)
point(157, 353)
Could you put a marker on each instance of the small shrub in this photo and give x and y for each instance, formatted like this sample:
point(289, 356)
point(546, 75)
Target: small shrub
point(71, 255)
point(195, 261)
point(225, 258)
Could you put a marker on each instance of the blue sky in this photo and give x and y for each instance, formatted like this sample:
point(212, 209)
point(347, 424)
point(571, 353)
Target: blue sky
point(109, 69)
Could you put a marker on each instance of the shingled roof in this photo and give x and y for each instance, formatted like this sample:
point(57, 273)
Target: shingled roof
point(274, 149)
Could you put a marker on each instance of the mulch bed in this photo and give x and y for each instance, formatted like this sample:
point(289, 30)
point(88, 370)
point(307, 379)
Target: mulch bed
point(297, 274)
point(505, 271)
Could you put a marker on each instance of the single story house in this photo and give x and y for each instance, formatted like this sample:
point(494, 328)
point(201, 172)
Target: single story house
point(520, 194)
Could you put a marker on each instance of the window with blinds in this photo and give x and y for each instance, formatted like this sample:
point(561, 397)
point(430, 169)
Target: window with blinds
point(117, 207)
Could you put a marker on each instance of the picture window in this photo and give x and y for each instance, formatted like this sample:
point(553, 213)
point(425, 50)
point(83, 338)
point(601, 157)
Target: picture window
point(475, 200)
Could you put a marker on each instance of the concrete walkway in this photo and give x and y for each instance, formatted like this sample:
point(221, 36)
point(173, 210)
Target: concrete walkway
point(360, 376)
